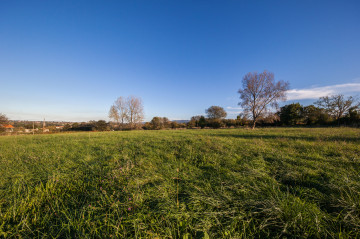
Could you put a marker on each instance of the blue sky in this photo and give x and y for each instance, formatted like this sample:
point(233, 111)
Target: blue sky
point(69, 60)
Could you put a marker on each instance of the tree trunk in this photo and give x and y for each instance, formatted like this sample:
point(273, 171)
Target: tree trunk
point(254, 119)
point(254, 124)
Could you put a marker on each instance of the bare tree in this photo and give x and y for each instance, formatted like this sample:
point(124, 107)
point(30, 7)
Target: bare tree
point(129, 110)
point(336, 105)
point(119, 111)
point(259, 91)
point(121, 105)
point(3, 119)
point(114, 113)
point(135, 111)
point(216, 112)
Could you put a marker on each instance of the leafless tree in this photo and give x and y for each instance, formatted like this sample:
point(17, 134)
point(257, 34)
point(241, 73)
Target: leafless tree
point(336, 105)
point(127, 110)
point(114, 113)
point(3, 119)
point(259, 91)
point(135, 110)
point(119, 111)
point(121, 105)
point(216, 112)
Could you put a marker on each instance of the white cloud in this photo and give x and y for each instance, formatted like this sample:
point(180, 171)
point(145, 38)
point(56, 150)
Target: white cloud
point(233, 112)
point(316, 92)
point(230, 110)
point(233, 108)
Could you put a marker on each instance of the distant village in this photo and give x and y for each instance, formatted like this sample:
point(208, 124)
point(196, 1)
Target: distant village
point(31, 127)
point(39, 127)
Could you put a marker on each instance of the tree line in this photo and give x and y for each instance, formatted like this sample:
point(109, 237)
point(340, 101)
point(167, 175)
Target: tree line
point(327, 111)
point(260, 95)
point(334, 110)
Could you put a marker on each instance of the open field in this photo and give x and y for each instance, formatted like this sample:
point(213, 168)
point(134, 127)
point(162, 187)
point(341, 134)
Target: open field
point(237, 183)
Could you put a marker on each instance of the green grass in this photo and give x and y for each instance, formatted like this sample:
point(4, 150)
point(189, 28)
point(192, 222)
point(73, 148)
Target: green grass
point(236, 183)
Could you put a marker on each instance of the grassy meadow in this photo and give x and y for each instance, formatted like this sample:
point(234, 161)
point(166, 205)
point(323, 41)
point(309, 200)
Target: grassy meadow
point(226, 183)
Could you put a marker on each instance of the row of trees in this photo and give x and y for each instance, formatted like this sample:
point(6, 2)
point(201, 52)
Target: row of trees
point(328, 110)
point(260, 93)
point(196, 122)
point(100, 125)
point(215, 119)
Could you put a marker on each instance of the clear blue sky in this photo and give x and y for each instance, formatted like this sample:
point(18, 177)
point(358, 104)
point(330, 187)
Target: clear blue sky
point(69, 60)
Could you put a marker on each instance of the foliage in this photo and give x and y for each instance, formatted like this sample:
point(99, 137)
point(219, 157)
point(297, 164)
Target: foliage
point(160, 123)
point(336, 105)
point(291, 114)
point(194, 121)
point(202, 122)
point(215, 123)
point(99, 125)
point(312, 115)
point(174, 125)
point(294, 114)
point(216, 112)
point(353, 116)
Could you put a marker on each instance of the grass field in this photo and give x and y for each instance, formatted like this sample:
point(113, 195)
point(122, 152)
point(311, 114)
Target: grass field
point(228, 183)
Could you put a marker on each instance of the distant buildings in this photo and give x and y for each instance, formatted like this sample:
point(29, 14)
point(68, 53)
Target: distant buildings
point(7, 127)
point(30, 130)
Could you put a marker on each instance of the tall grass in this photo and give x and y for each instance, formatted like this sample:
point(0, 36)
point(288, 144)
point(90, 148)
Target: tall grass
point(232, 183)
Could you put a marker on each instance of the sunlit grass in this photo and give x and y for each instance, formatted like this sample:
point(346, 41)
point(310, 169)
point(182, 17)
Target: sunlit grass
point(233, 183)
